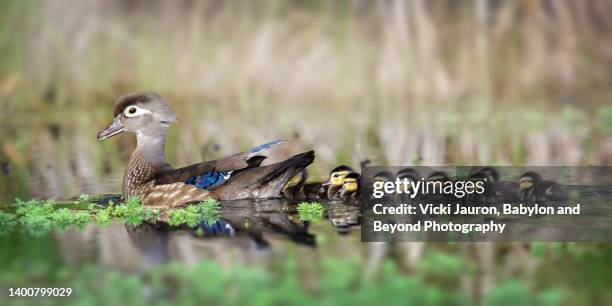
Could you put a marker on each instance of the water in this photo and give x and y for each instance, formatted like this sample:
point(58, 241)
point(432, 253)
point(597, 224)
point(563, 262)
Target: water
point(247, 232)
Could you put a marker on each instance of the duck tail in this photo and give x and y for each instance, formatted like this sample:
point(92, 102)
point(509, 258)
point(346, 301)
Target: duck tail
point(263, 182)
point(289, 167)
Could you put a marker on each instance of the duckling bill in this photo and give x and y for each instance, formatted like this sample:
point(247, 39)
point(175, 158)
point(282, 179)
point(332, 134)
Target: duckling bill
point(149, 177)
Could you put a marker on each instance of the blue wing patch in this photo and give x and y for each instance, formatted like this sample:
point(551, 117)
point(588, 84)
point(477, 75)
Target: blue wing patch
point(258, 149)
point(216, 178)
point(209, 179)
point(218, 228)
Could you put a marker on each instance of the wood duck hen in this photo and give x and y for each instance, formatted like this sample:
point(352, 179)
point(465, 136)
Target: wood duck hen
point(149, 177)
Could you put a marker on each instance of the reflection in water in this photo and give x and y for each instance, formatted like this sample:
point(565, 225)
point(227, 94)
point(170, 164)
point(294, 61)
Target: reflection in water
point(244, 234)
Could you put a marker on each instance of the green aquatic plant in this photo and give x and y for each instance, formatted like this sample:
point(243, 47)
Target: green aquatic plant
point(35, 216)
point(85, 199)
point(62, 218)
point(192, 215)
point(210, 210)
point(312, 211)
point(103, 217)
point(133, 212)
point(8, 222)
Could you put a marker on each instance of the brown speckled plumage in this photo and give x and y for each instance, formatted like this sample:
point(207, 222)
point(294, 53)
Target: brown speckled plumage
point(140, 181)
point(149, 177)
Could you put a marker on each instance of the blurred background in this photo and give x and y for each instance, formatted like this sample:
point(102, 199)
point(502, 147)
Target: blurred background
point(397, 82)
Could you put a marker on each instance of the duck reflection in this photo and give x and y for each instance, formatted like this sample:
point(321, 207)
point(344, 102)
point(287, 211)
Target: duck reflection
point(245, 230)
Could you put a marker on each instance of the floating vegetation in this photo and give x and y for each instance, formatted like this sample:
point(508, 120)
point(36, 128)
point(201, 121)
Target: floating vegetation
point(37, 218)
point(34, 216)
point(7, 223)
point(207, 211)
point(132, 212)
point(312, 211)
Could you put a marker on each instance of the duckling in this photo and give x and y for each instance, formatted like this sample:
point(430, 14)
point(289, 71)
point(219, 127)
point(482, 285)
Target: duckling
point(298, 189)
point(343, 217)
point(383, 176)
point(438, 176)
point(295, 186)
point(334, 183)
point(533, 189)
point(409, 174)
point(437, 196)
point(496, 190)
point(349, 193)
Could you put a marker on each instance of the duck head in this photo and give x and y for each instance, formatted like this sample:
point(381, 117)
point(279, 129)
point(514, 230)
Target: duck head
point(336, 176)
point(528, 180)
point(144, 113)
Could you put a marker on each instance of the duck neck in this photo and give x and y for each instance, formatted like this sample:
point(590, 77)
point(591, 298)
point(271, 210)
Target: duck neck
point(151, 148)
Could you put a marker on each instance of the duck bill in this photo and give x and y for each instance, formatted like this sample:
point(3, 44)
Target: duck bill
point(326, 183)
point(113, 129)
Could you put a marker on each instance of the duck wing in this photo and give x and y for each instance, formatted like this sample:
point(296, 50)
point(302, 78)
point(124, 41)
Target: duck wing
point(262, 182)
point(212, 173)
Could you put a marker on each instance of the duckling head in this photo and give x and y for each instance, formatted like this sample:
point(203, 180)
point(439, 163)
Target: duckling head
point(438, 176)
point(383, 176)
point(491, 173)
point(297, 179)
point(409, 173)
point(480, 177)
point(351, 182)
point(145, 113)
point(336, 176)
point(528, 180)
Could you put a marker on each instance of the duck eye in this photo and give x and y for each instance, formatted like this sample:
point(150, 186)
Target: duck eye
point(133, 111)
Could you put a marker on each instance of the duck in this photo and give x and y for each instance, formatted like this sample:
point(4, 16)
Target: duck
point(533, 189)
point(149, 177)
point(349, 192)
point(334, 183)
